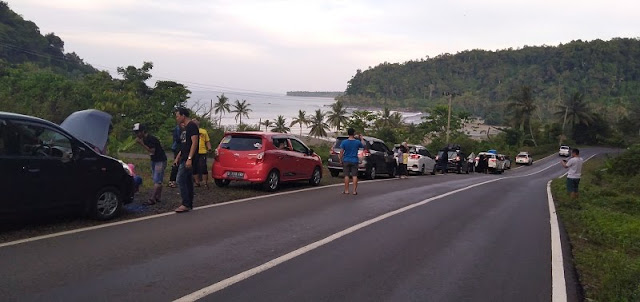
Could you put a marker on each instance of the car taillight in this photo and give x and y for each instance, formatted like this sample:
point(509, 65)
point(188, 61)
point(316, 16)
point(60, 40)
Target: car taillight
point(477, 158)
point(493, 159)
point(366, 153)
point(415, 156)
point(333, 152)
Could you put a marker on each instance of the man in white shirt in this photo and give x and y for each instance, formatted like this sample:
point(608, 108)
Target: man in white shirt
point(575, 171)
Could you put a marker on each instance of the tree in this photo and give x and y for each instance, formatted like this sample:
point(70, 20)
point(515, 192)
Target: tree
point(267, 124)
point(521, 107)
point(318, 126)
point(240, 109)
point(281, 125)
point(300, 120)
point(222, 107)
point(576, 112)
point(361, 120)
point(338, 115)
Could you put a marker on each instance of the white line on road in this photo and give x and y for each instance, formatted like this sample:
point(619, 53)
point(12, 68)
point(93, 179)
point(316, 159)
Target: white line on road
point(558, 283)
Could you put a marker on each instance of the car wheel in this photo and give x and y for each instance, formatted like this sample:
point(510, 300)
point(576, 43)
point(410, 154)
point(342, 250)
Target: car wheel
point(107, 204)
point(334, 173)
point(315, 177)
point(371, 172)
point(422, 170)
point(273, 181)
point(221, 182)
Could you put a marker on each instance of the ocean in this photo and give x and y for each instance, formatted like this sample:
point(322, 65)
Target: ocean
point(266, 106)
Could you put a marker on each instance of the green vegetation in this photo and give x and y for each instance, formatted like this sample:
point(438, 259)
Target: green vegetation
point(604, 226)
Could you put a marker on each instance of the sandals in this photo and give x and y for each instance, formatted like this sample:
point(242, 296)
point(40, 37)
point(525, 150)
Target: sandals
point(182, 209)
point(355, 193)
point(150, 202)
point(172, 185)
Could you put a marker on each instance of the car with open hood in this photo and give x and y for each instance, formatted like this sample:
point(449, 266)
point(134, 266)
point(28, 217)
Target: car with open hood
point(48, 170)
point(374, 159)
point(268, 158)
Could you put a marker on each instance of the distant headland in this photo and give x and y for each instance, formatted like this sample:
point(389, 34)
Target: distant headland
point(320, 94)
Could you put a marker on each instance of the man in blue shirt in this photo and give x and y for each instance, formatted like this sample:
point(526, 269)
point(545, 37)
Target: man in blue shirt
point(349, 159)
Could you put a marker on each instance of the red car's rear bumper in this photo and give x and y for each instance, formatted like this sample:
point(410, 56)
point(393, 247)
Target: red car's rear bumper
point(258, 173)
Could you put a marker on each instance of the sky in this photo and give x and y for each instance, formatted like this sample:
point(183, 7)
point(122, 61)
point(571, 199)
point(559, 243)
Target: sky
point(269, 46)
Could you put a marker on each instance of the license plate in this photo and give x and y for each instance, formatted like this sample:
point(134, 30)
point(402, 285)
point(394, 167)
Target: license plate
point(239, 175)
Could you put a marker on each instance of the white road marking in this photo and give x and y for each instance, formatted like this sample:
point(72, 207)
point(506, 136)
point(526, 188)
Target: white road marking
point(10, 243)
point(270, 264)
point(558, 283)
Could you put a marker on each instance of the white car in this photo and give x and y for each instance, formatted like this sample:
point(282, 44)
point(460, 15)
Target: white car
point(420, 160)
point(523, 158)
point(564, 151)
point(494, 163)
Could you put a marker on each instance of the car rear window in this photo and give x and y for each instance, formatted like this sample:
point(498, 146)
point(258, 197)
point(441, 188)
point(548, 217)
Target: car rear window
point(522, 155)
point(241, 142)
point(339, 141)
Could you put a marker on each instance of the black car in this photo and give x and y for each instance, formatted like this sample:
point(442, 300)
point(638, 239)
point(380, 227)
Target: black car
point(375, 159)
point(47, 171)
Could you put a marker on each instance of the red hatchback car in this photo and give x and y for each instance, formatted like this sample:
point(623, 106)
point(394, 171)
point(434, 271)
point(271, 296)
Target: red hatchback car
point(264, 157)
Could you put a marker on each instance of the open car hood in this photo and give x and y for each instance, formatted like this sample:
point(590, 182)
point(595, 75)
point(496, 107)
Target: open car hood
point(91, 126)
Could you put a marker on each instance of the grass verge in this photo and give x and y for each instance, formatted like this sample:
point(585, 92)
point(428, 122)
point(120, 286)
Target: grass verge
point(604, 231)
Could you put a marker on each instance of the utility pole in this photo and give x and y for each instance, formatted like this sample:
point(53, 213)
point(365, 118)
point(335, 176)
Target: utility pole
point(450, 95)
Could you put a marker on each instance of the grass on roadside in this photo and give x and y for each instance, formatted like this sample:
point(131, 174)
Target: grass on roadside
point(604, 230)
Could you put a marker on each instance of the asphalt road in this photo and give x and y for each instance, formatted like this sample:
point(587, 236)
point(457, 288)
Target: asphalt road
point(489, 242)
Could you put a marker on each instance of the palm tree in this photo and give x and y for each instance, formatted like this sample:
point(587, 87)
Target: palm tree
point(576, 111)
point(240, 109)
point(300, 120)
point(318, 126)
point(281, 125)
point(222, 107)
point(267, 124)
point(522, 107)
point(338, 115)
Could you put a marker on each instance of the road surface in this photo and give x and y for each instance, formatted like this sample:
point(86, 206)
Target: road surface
point(486, 239)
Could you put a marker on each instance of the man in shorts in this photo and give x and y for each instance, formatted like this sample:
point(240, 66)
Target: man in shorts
point(204, 146)
point(349, 159)
point(158, 160)
point(575, 171)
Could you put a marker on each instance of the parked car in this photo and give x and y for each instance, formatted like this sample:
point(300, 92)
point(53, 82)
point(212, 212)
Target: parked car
point(507, 161)
point(420, 160)
point(564, 151)
point(523, 158)
point(494, 163)
point(55, 172)
point(457, 160)
point(268, 158)
point(375, 159)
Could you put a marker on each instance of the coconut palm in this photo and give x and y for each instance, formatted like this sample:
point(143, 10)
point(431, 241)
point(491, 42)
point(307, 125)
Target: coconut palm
point(222, 107)
point(300, 120)
point(281, 125)
point(266, 124)
point(318, 126)
point(338, 115)
point(575, 111)
point(240, 109)
point(522, 107)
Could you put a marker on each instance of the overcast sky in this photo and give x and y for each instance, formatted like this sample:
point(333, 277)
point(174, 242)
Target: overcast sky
point(276, 46)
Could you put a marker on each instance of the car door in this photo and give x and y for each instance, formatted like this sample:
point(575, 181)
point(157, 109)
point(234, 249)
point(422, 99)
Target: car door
point(305, 163)
point(48, 170)
point(285, 159)
point(15, 184)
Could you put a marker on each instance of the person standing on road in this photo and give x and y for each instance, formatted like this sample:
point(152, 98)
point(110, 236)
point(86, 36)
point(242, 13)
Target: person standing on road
point(349, 159)
point(175, 147)
point(444, 160)
point(158, 160)
point(186, 157)
point(574, 164)
point(403, 160)
point(204, 147)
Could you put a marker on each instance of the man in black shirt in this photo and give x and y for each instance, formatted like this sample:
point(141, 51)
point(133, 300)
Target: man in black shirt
point(158, 160)
point(187, 156)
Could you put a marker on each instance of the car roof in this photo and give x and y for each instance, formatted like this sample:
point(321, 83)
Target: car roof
point(260, 133)
point(564, 146)
point(367, 138)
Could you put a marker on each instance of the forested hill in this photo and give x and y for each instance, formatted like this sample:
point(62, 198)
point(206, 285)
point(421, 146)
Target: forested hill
point(22, 42)
point(606, 72)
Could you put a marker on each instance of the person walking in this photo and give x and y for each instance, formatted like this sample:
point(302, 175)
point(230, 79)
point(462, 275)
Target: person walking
point(204, 146)
point(186, 157)
point(158, 160)
point(175, 147)
point(349, 159)
point(574, 164)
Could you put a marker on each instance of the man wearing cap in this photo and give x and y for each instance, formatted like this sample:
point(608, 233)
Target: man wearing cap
point(158, 160)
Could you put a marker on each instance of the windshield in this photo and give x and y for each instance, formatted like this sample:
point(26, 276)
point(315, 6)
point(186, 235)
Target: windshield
point(241, 142)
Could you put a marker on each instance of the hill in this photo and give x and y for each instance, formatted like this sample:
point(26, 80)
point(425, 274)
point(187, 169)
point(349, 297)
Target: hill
point(606, 72)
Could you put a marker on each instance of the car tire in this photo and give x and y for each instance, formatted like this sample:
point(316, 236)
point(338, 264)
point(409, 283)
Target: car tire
point(316, 177)
point(106, 205)
point(371, 172)
point(221, 182)
point(273, 181)
point(334, 173)
point(422, 170)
